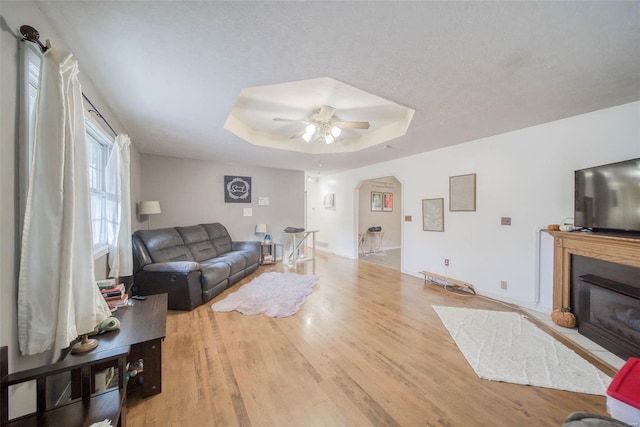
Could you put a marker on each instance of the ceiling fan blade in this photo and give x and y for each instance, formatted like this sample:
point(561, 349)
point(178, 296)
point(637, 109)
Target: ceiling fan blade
point(325, 113)
point(279, 119)
point(352, 125)
point(299, 135)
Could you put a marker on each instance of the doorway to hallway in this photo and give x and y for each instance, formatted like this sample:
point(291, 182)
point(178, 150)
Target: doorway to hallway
point(380, 222)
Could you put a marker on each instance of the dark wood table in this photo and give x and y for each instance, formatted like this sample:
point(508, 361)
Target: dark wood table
point(143, 328)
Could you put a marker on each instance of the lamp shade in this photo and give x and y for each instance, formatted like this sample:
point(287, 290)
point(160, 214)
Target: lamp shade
point(149, 208)
point(261, 228)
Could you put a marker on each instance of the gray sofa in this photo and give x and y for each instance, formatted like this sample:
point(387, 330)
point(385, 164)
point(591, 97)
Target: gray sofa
point(192, 264)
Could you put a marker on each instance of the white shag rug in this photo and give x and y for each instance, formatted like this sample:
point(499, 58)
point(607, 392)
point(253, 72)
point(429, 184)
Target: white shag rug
point(274, 294)
point(505, 346)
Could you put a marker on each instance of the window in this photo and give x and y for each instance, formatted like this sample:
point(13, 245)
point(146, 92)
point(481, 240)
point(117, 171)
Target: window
point(98, 148)
point(33, 74)
point(30, 61)
point(98, 145)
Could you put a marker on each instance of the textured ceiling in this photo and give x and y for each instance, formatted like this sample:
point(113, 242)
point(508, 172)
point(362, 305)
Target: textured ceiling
point(172, 71)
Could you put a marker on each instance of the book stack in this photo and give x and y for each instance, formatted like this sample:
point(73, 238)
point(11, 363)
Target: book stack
point(267, 259)
point(114, 295)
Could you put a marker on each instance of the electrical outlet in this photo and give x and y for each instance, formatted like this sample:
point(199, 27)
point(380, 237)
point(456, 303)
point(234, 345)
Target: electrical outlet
point(503, 284)
point(505, 220)
point(446, 261)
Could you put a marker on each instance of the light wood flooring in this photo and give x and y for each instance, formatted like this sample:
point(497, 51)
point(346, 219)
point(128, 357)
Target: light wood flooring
point(389, 258)
point(365, 349)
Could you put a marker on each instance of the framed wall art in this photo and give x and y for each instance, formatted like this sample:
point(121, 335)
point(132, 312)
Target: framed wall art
point(462, 193)
point(433, 214)
point(237, 189)
point(376, 201)
point(329, 200)
point(387, 202)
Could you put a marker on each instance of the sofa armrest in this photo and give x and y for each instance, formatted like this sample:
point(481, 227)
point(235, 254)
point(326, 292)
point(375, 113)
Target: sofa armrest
point(244, 246)
point(180, 267)
point(181, 280)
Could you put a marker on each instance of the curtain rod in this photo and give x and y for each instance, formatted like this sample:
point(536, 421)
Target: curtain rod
point(97, 113)
point(32, 35)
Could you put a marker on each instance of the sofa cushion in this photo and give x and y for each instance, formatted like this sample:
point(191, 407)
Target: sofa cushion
point(234, 260)
point(197, 240)
point(251, 257)
point(165, 245)
point(219, 237)
point(213, 274)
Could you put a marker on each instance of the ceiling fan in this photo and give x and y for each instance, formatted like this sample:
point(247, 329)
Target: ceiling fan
point(321, 125)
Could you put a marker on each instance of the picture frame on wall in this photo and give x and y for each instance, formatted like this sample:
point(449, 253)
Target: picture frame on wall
point(237, 189)
point(376, 201)
point(462, 193)
point(433, 214)
point(387, 202)
point(329, 200)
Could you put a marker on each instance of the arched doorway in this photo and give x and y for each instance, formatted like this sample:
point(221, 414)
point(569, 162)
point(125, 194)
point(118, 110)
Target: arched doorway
point(380, 205)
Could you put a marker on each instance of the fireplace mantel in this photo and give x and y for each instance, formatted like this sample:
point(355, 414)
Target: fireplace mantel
point(613, 248)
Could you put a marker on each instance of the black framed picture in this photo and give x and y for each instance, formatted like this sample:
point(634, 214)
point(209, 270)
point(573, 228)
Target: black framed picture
point(237, 189)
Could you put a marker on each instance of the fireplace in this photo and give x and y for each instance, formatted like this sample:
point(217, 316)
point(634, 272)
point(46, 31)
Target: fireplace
point(605, 298)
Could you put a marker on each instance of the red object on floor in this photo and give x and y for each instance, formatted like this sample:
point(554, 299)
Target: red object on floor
point(625, 386)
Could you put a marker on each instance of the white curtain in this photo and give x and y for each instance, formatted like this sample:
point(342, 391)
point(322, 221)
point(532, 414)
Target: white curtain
point(57, 295)
point(119, 208)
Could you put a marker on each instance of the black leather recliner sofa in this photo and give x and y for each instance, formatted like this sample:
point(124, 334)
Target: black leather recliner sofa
point(192, 264)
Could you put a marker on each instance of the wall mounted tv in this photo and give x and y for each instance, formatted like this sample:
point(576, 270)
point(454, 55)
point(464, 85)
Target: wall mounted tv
point(607, 197)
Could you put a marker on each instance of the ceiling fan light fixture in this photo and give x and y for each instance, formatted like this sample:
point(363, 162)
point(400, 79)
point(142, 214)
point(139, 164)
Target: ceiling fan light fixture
point(322, 127)
point(311, 129)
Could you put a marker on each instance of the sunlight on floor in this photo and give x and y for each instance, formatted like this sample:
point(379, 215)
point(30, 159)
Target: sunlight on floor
point(388, 258)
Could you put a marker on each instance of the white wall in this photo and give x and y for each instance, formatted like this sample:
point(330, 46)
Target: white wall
point(525, 174)
point(192, 192)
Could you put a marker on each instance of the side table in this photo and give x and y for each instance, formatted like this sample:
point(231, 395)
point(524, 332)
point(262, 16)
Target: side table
point(375, 242)
point(268, 254)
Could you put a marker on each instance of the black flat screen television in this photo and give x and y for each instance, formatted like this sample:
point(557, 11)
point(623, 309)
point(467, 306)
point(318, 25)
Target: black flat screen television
point(607, 197)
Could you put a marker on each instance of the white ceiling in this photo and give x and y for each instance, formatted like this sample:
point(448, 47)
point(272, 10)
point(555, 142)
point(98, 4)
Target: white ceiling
point(172, 71)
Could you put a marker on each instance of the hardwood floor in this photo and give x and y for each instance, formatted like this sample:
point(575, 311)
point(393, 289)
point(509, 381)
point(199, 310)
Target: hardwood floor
point(365, 349)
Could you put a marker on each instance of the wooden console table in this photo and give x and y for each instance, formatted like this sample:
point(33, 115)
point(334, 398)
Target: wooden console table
point(615, 248)
point(143, 328)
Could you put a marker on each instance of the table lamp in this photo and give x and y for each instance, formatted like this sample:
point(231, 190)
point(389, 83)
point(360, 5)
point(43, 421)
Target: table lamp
point(261, 229)
point(149, 208)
